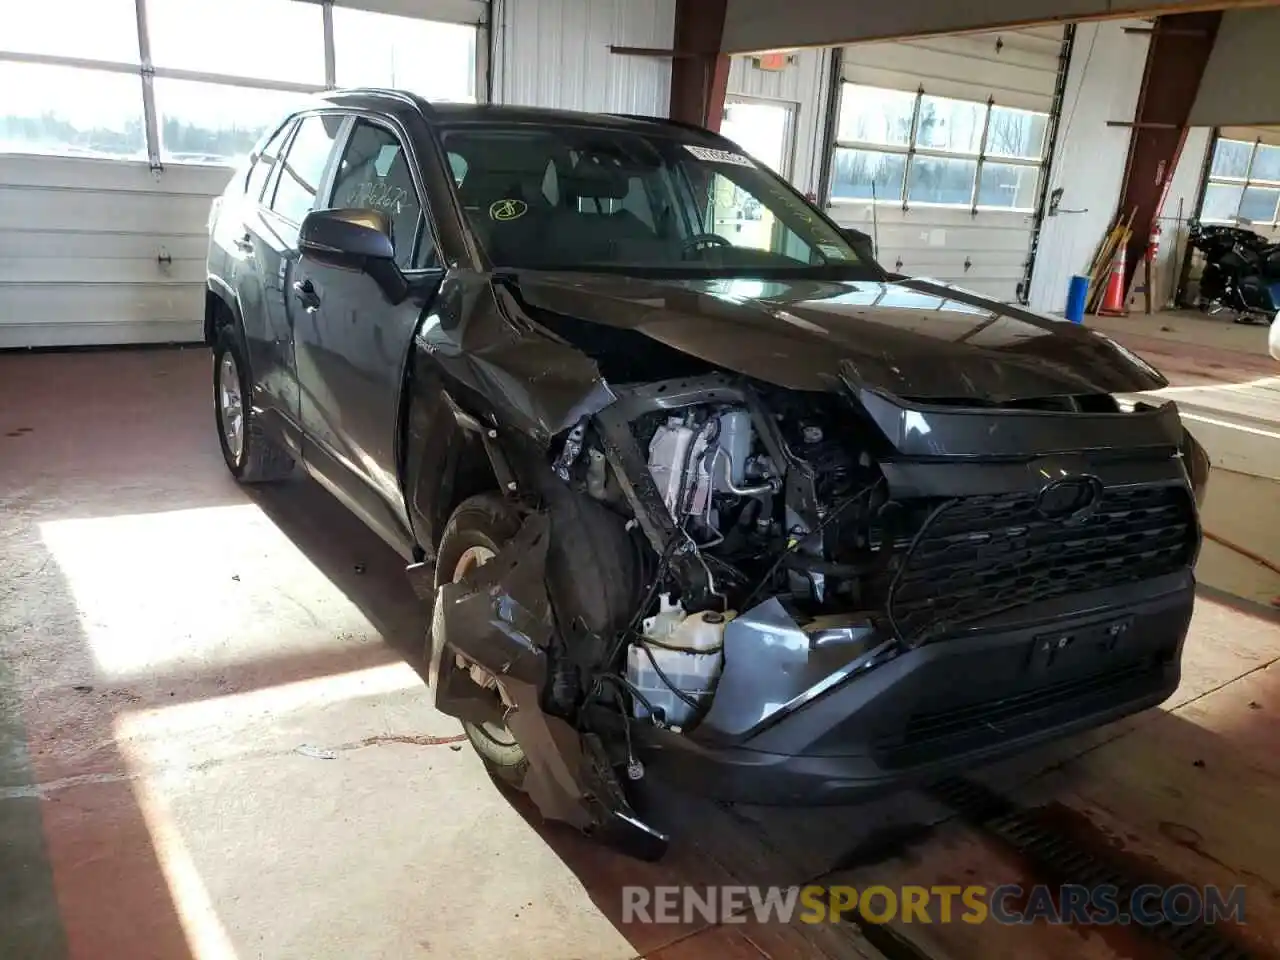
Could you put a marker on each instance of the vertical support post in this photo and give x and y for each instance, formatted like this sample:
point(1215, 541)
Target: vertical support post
point(700, 73)
point(1176, 60)
point(330, 62)
point(149, 116)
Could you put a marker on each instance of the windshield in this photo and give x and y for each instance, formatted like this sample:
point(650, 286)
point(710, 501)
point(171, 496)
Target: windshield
point(586, 198)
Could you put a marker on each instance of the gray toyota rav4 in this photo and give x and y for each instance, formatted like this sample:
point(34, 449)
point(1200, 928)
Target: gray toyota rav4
point(694, 489)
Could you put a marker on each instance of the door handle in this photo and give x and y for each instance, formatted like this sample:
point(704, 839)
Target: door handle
point(305, 291)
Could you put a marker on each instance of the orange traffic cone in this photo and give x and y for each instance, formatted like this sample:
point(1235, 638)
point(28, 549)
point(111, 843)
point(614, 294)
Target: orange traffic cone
point(1113, 297)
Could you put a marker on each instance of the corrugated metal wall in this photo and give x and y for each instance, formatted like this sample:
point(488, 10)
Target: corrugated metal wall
point(1103, 83)
point(806, 84)
point(96, 251)
point(555, 53)
point(984, 251)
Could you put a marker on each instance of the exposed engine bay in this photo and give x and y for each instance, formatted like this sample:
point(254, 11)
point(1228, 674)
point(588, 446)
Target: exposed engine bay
point(785, 545)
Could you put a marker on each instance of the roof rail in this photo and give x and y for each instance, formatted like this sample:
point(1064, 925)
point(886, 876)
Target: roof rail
point(410, 99)
point(682, 124)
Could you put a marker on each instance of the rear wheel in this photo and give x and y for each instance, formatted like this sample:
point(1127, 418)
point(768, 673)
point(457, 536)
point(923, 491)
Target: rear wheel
point(476, 532)
point(250, 455)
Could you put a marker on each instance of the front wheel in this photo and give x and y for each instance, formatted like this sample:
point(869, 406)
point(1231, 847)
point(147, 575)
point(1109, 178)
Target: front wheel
point(476, 532)
point(250, 455)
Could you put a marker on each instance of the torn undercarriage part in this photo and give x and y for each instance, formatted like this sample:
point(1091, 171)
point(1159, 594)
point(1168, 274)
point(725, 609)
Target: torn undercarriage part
point(499, 617)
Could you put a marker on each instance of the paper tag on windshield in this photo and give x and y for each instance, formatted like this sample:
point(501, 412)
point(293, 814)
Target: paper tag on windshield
point(831, 251)
point(718, 156)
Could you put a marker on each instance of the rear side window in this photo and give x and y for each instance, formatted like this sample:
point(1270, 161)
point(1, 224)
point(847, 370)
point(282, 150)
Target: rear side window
point(374, 174)
point(266, 161)
point(303, 166)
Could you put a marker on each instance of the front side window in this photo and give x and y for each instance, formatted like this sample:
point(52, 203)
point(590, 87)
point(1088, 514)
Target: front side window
point(374, 174)
point(585, 198)
point(303, 166)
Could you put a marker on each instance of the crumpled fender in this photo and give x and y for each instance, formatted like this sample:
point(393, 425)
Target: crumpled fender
point(500, 617)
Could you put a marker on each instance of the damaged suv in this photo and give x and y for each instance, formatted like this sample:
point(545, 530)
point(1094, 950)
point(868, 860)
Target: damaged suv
point(695, 489)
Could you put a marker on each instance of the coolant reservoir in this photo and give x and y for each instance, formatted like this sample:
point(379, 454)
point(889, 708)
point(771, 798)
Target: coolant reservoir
point(688, 650)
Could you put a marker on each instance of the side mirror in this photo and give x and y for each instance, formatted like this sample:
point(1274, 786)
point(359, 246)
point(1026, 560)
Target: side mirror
point(355, 240)
point(346, 238)
point(861, 243)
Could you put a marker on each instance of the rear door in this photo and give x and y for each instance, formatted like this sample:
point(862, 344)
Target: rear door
point(353, 345)
point(290, 194)
point(252, 249)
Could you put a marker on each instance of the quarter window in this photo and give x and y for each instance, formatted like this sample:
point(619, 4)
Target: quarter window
point(303, 166)
point(374, 174)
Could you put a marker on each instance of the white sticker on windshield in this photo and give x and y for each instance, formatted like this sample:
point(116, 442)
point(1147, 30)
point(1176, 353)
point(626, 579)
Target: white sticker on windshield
point(718, 156)
point(831, 251)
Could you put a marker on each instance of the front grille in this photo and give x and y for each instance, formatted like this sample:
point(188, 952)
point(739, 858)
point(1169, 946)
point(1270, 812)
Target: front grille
point(986, 554)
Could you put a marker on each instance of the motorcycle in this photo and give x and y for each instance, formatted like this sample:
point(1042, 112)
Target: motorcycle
point(1241, 273)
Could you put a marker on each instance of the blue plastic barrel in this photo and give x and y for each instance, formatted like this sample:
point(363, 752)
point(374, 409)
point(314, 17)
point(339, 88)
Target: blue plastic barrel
point(1077, 292)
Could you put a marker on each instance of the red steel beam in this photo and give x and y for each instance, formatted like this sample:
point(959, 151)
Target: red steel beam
point(700, 76)
point(1176, 59)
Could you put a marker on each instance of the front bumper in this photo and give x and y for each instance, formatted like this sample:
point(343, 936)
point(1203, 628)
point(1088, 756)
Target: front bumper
point(1022, 679)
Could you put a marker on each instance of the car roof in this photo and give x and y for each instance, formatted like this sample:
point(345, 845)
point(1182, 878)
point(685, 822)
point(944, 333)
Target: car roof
point(400, 101)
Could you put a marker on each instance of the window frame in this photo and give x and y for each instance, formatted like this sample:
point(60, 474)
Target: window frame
point(324, 186)
point(146, 71)
point(1244, 183)
point(392, 126)
point(912, 150)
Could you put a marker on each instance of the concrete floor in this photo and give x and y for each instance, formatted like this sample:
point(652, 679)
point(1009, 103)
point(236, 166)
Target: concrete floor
point(213, 745)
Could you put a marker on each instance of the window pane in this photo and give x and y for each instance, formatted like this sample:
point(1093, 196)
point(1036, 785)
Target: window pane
point(70, 111)
point(93, 29)
point(1010, 186)
point(271, 39)
point(1231, 158)
point(760, 129)
point(213, 122)
point(941, 180)
point(261, 171)
point(1016, 133)
point(856, 171)
point(953, 125)
point(304, 164)
point(1220, 202)
point(374, 175)
point(1266, 163)
point(1259, 204)
point(433, 60)
point(872, 115)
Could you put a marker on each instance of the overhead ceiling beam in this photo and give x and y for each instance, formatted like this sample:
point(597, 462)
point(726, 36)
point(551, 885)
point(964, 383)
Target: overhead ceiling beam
point(754, 26)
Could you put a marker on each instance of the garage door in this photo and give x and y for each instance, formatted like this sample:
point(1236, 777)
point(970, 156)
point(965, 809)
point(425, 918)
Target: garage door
point(112, 146)
point(939, 149)
point(1242, 184)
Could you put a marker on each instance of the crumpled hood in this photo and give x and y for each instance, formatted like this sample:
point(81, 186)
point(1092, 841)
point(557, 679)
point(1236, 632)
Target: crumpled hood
point(913, 338)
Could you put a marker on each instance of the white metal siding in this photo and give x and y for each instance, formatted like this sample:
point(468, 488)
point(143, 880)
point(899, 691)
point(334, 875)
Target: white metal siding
point(1103, 83)
point(804, 83)
point(555, 53)
point(987, 251)
point(81, 243)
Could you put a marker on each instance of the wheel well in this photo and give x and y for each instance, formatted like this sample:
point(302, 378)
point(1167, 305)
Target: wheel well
point(217, 314)
point(472, 474)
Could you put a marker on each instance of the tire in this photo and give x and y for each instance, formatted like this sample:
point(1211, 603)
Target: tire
point(258, 459)
point(489, 521)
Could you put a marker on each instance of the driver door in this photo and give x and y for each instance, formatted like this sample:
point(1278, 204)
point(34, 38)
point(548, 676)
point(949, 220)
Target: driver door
point(352, 344)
